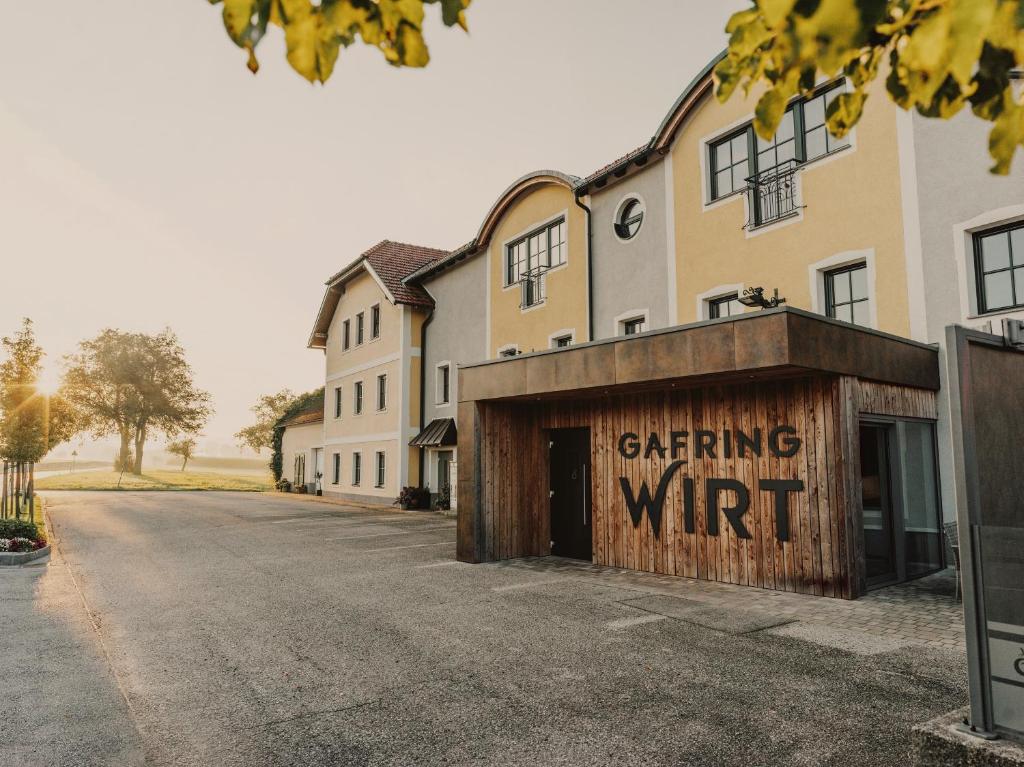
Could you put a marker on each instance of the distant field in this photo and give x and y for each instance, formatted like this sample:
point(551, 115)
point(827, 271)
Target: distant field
point(156, 480)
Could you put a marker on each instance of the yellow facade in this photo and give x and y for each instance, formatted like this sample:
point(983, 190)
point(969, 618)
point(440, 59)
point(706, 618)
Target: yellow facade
point(565, 305)
point(852, 210)
point(374, 429)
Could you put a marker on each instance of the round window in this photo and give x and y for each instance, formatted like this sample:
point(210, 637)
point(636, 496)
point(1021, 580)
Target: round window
point(629, 218)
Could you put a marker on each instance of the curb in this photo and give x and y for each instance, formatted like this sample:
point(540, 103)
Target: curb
point(19, 558)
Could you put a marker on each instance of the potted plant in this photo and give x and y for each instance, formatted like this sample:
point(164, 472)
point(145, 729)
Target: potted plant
point(443, 502)
point(284, 485)
point(413, 498)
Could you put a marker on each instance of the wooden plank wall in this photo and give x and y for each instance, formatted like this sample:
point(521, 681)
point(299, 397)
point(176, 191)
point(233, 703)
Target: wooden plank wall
point(815, 559)
point(899, 401)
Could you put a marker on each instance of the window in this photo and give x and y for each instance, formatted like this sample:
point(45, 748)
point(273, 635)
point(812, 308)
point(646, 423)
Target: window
point(633, 326)
point(380, 469)
point(801, 137)
point(357, 468)
point(629, 218)
point(345, 335)
point(561, 342)
point(359, 328)
point(536, 252)
point(443, 384)
point(846, 295)
point(382, 392)
point(336, 469)
point(357, 397)
point(375, 321)
point(724, 306)
point(337, 402)
point(999, 268)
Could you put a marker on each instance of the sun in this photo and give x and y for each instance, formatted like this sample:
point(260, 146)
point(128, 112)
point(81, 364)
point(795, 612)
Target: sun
point(49, 381)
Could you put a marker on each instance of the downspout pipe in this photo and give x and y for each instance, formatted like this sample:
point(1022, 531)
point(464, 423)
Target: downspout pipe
point(590, 263)
point(423, 389)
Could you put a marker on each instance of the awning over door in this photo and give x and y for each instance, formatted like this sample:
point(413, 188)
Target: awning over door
point(438, 433)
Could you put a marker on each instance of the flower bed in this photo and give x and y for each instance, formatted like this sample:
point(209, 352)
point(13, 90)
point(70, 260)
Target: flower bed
point(20, 545)
point(20, 535)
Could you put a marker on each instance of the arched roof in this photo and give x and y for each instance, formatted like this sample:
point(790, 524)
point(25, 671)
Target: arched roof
point(519, 187)
point(698, 86)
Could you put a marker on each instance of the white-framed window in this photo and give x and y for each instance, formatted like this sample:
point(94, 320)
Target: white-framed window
point(629, 217)
point(843, 287)
point(562, 338)
point(374, 322)
point(999, 268)
point(346, 335)
point(357, 397)
point(360, 328)
point(382, 392)
point(380, 469)
point(336, 469)
point(544, 248)
point(357, 468)
point(337, 402)
point(443, 384)
point(508, 350)
point(724, 306)
point(632, 322)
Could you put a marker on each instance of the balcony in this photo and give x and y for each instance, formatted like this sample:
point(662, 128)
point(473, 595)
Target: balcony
point(772, 195)
point(532, 284)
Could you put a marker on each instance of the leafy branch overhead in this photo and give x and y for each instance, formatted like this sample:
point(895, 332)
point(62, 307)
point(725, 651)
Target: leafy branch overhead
point(939, 56)
point(315, 31)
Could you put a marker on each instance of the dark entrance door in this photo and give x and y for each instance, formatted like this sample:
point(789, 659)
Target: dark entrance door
point(877, 495)
point(571, 522)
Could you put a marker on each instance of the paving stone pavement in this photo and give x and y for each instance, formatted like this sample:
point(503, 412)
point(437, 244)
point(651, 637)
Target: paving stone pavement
point(920, 612)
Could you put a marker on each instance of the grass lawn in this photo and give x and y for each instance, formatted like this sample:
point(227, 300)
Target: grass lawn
point(155, 480)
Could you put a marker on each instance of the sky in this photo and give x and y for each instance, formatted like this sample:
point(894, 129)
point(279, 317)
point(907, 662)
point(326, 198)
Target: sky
point(148, 180)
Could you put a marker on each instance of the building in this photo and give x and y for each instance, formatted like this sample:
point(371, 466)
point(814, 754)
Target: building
point(695, 263)
point(370, 328)
point(302, 452)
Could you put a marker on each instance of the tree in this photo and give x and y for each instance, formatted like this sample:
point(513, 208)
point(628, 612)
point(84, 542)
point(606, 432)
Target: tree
point(941, 55)
point(268, 411)
point(184, 447)
point(312, 400)
point(316, 30)
point(135, 385)
point(32, 422)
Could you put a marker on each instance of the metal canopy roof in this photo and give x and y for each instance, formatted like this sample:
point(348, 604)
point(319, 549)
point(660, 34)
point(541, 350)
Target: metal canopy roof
point(438, 433)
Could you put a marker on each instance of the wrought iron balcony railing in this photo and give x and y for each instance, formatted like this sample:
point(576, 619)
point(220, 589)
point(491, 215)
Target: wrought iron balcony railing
point(532, 284)
point(772, 194)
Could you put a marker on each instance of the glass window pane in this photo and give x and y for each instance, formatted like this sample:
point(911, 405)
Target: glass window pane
point(739, 147)
point(859, 283)
point(920, 498)
point(739, 175)
point(995, 251)
point(1018, 278)
point(723, 182)
point(844, 313)
point(840, 288)
point(837, 143)
point(786, 151)
point(815, 143)
point(722, 155)
point(785, 129)
point(1017, 246)
point(766, 160)
point(862, 313)
point(814, 113)
point(762, 144)
point(998, 293)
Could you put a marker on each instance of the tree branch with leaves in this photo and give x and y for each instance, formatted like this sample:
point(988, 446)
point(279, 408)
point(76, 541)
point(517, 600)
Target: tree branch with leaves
point(940, 56)
point(315, 32)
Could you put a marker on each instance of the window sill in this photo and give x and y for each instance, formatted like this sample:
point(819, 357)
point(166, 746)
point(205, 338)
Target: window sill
point(990, 313)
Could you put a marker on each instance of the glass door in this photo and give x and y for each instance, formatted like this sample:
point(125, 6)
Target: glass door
point(876, 492)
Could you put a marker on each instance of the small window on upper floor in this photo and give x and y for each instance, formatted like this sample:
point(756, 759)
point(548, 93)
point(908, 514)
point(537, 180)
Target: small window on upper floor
point(628, 218)
point(346, 336)
point(561, 341)
point(375, 321)
point(359, 328)
point(337, 402)
point(357, 397)
point(724, 306)
point(634, 325)
point(999, 268)
point(846, 295)
point(444, 381)
point(382, 392)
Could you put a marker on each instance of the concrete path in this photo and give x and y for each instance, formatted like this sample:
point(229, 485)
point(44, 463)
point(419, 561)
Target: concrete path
point(265, 630)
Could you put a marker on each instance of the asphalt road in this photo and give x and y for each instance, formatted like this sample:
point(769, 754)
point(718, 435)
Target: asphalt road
point(241, 629)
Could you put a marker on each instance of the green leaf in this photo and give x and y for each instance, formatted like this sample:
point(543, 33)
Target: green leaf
point(844, 112)
point(1007, 134)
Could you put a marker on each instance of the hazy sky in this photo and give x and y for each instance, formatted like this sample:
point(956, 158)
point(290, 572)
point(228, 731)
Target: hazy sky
point(147, 179)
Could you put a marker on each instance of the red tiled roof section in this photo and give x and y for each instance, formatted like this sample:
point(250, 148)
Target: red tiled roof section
point(308, 416)
point(392, 261)
point(612, 165)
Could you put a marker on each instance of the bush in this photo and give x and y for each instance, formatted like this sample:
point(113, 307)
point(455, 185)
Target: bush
point(443, 501)
point(284, 485)
point(413, 498)
point(20, 544)
point(19, 528)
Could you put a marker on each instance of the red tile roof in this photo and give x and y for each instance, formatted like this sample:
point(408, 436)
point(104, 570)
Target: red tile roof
point(624, 160)
point(306, 417)
point(392, 261)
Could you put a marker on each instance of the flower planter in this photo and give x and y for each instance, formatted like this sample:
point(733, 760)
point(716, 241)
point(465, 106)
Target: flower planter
point(17, 558)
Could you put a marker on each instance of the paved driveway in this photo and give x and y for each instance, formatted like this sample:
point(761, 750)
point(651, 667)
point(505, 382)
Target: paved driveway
point(222, 629)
